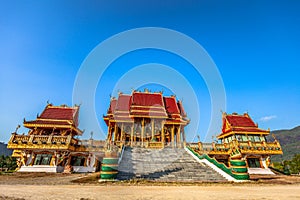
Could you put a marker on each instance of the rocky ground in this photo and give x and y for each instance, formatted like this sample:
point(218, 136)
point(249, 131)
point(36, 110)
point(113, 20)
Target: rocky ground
point(17, 186)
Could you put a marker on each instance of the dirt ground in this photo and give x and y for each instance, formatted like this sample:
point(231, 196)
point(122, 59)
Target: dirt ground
point(85, 187)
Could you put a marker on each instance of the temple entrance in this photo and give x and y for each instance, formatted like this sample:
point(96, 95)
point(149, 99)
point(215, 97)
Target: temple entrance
point(253, 163)
point(42, 159)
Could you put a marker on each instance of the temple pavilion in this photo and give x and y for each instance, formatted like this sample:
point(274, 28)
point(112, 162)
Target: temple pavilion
point(242, 139)
point(51, 144)
point(146, 119)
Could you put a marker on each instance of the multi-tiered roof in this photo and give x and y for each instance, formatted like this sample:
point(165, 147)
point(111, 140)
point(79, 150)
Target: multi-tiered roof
point(243, 124)
point(145, 105)
point(56, 117)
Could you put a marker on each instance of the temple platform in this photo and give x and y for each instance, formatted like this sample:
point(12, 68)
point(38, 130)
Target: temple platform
point(41, 168)
point(260, 171)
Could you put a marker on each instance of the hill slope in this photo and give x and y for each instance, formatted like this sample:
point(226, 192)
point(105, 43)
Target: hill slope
point(290, 143)
point(4, 150)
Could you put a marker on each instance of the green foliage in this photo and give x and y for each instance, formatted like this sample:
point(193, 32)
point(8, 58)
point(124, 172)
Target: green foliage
point(278, 166)
point(294, 164)
point(289, 166)
point(7, 162)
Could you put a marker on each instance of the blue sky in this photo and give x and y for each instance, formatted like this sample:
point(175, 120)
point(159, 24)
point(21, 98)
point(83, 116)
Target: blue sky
point(254, 44)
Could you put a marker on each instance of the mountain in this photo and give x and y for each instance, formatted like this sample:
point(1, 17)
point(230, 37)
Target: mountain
point(4, 150)
point(289, 141)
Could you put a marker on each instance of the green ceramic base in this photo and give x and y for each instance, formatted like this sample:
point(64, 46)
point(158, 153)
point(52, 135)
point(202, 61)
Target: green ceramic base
point(110, 160)
point(108, 175)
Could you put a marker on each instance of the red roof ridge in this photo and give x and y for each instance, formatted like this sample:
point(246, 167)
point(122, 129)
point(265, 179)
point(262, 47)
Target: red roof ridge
point(146, 92)
point(63, 106)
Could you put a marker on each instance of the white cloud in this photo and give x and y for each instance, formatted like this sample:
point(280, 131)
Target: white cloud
point(267, 118)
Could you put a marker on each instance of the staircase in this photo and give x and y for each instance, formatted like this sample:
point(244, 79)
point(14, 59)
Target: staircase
point(166, 164)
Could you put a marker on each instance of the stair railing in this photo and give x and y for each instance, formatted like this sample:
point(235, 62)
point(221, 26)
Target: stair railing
point(222, 166)
point(121, 156)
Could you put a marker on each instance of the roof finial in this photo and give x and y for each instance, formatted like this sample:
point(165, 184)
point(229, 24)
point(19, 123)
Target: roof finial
point(198, 136)
point(92, 133)
point(17, 128)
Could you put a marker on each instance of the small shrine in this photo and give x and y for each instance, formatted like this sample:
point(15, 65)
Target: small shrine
point(51, 144)
point(241, 140)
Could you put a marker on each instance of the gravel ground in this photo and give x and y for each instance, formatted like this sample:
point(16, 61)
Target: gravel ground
point(23, 186)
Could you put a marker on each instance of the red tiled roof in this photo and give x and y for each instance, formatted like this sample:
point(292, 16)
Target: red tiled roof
point(239, 123)
point(171, 105)
point(56, 116)
point(112, 106)
point(65, 113)
point(182, 112)
point(123, 103)
point(147, 99)
point(145, 104)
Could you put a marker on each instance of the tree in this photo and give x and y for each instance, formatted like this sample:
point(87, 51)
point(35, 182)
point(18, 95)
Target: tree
point(8, 162)
point(2, 161)
point(295, 164)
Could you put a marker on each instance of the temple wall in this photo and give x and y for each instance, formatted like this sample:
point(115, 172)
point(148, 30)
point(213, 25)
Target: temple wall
point(41, 168)
point(82, 169)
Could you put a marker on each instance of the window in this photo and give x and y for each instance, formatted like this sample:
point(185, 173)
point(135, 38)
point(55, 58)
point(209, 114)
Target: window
point(239, 138)
point(77, 160)
point(256, 138)
point(251, 138)
point(42, 159)
point(244, 138)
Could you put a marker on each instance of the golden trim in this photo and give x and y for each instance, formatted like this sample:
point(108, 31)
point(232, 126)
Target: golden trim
point(53, 125)
point(160, 106)
point(62, 107)
point(155, 111)
point(241, 133)
point(56, 120)
point(121, 121)
point(121, 111)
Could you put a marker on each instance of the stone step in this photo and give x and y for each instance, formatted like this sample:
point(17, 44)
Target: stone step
point(164, 165)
